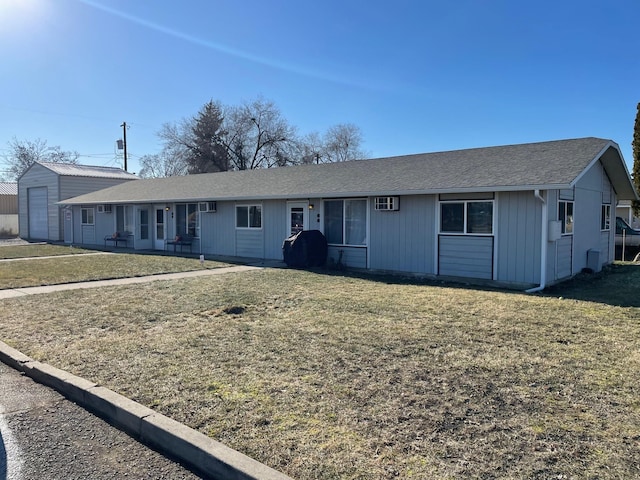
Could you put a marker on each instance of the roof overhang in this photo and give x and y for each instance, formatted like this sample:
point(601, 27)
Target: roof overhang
point(616, 169)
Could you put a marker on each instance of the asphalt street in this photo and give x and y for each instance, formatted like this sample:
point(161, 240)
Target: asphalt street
point(43, 435)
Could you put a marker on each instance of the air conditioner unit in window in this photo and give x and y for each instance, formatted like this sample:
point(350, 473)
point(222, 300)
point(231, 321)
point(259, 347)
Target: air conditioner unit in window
point(207, 207)
point(387, 203)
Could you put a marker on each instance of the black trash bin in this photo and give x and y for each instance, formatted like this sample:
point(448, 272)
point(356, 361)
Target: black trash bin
point(307, 248)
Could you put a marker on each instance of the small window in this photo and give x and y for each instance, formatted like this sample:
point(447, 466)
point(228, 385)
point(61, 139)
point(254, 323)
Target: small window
point(469, 217)
point(248, 216)
point(565, 215)
point(87, 216)
point(605, 218)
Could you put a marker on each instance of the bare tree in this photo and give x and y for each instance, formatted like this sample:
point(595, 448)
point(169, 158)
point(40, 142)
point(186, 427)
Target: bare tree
point(24, 153)
point(256, 135)
point(164, 164)
point(341, 143)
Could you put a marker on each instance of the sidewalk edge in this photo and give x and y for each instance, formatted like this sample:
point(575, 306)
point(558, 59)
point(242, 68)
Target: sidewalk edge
point(204, 455)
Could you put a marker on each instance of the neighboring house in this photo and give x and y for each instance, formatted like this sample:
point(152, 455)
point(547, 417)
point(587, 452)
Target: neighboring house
point(44, 184)
point(8, 209)
point(520, 215)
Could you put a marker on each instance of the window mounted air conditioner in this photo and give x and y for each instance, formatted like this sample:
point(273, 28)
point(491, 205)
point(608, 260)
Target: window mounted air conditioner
point(205, 207)
point(387, 204)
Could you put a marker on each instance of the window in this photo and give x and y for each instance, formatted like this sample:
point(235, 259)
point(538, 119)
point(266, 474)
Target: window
point(87, 216)
point(605, 218)
point(144, 224)
point(248, 216)
point(469, 217)
point(345, 222)
point(565, 215)
point(187, 219)
point(124, 218)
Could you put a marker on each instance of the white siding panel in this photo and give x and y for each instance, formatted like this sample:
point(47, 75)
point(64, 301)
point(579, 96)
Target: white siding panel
point(38, 213)
point(466, 256)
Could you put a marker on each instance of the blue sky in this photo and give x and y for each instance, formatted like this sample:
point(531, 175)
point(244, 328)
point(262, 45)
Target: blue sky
point(415, 76)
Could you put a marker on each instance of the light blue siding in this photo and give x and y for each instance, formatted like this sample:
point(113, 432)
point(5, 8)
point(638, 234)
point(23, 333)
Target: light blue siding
point(354, 257)
point(563, 256)
point(519, 224)
point(466, 256)
point(404, 240)
point(250, 243)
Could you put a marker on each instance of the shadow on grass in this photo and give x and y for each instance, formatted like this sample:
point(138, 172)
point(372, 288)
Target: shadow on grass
point(616, 285)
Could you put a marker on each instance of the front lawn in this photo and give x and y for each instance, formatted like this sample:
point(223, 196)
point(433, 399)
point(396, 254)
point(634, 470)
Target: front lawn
point(327, 376)
point(98, 266)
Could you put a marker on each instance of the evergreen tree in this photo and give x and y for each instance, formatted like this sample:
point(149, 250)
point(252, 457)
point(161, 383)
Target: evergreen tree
point(635, 144)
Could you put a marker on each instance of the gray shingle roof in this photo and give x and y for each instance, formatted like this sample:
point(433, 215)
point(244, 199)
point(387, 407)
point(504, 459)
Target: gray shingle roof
point(556, 164)
point(74, 170)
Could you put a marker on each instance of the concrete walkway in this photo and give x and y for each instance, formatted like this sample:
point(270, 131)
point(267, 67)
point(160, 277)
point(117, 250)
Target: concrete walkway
point(19, 292)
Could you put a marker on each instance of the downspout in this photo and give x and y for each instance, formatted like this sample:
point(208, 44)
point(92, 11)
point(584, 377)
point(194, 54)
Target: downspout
point(543, 245)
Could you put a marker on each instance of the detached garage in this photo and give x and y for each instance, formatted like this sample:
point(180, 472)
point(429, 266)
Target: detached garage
point(45, 184)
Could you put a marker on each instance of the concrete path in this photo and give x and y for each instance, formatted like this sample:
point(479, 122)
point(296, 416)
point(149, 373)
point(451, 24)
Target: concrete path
point(19, 292)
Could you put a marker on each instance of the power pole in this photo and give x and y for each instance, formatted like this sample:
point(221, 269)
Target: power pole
point(124, 142)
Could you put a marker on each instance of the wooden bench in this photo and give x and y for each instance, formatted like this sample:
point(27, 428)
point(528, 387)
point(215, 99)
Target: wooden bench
point(182, 241)
point(118, 237)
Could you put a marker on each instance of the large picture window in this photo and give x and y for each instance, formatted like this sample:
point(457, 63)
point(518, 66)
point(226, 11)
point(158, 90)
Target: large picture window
point(187, 219)
point(467, 217)
point(565, 215)
point(345, 222)
point(248, 216)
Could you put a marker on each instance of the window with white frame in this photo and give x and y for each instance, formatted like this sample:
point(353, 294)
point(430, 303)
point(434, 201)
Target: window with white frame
point(345, 222)
point(467, 217)
point(248, 216)
point(87, 216)
point(565, 215)
point(605, 217)
point(187, 219)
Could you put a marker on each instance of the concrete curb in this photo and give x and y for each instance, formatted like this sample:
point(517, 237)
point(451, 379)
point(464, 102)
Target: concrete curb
point(204, 455)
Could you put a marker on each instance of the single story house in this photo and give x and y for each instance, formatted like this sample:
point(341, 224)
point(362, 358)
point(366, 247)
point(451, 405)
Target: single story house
point(44, 184)
point(8, 209)
point(520, 215)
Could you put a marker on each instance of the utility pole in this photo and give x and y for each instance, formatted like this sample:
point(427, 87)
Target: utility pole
point(124, 141)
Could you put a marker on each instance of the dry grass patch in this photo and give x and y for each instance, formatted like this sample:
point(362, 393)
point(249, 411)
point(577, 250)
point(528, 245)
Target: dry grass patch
point(325, 376)
point(81, 268)
point(38, 250)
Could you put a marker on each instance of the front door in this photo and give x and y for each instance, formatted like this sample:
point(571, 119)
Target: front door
point(160, 230)
point(298, 217)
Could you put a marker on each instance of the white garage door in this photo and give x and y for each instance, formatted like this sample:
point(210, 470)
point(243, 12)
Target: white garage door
point(38, 217)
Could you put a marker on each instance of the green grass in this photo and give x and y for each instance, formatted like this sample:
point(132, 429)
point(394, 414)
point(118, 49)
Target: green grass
point(327, 376)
